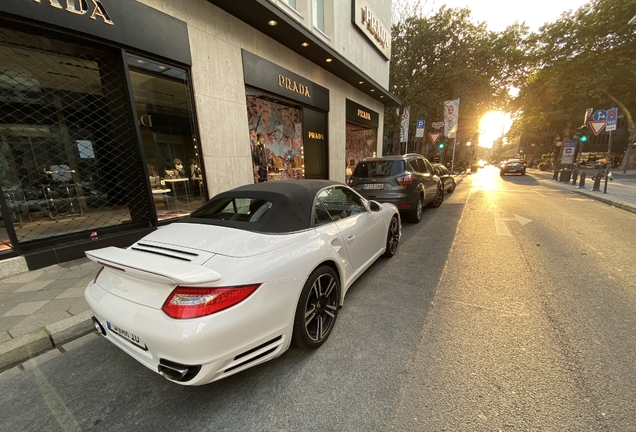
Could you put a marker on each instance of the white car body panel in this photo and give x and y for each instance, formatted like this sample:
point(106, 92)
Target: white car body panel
point(223, 257)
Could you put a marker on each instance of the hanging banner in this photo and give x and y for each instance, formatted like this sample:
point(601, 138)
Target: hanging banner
point(451, 116)
point(404, 124)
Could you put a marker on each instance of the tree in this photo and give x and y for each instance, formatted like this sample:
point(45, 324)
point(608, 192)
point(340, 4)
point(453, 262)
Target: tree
point(447, 56)
point(584, 59)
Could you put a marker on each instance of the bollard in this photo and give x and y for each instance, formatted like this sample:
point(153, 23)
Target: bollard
point(582, 182)
point(597, 183)
point(566, 175)
point(575, 175)
point(555, 176)
point(561, 176)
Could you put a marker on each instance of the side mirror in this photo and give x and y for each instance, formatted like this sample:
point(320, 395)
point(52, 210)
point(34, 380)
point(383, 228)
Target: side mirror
point(375, 206)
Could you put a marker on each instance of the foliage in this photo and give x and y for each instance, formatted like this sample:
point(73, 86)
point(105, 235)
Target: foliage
point(584, 59)
point(447, 56)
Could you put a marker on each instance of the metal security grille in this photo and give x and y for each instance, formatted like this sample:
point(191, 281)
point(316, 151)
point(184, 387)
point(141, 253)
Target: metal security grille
point(68, 157)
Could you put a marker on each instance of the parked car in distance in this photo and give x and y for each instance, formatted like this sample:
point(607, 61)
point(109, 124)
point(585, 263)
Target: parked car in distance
point(513, 166)
point(231, 286)
point(407, 181)
point(445, 176)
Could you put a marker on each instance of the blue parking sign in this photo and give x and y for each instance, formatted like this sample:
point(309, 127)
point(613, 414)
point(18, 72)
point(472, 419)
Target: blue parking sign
point(419, 124)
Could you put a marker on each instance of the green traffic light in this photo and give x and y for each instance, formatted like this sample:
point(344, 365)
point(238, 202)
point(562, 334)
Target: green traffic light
point(441, 146)
point(583, 138)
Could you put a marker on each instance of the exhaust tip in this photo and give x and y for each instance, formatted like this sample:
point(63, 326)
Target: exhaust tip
point(98, 327)
point(176, 371)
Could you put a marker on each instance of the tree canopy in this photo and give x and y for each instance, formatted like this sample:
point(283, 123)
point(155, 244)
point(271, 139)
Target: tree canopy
point(586, 58)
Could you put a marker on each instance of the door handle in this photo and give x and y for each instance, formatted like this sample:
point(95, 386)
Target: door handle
point(350, 239)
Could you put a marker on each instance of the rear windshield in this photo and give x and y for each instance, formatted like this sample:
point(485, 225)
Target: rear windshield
point(234, 209)
point(380, 168)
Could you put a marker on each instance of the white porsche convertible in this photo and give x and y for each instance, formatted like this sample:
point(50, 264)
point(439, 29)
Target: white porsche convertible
point(251, 271)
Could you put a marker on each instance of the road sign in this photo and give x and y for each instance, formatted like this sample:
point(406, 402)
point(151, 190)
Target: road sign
point(597, 126)
point(600, 115)
point(419, 128)
point(434, 136)
point(612, 118)
point(567, 156)
point(438, 125)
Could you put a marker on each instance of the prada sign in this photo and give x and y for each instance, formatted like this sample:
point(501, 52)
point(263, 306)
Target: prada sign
point(265, 75)
point(361, 114)
point(81, 7)
point(372, 27)
point(125, 22)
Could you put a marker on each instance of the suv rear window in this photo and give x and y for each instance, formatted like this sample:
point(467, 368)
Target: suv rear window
point(379, 168)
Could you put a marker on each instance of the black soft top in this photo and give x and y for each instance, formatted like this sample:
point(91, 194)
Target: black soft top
point(292, 205)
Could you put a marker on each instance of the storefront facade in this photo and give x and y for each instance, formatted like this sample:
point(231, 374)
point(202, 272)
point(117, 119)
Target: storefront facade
point(117, 116)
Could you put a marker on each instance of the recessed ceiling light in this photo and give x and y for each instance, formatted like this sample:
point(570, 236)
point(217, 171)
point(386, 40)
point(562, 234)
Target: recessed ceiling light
point(372, 90)
point(305, 44)
point(329, 60)
point(361, 82)
point(381, 97)
point(272, 23)
point(162, 67)
point(140, 61)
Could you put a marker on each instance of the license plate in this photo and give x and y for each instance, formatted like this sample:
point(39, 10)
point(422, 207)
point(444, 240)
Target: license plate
point(133, 339)
point(512, 170)
point(373, 186)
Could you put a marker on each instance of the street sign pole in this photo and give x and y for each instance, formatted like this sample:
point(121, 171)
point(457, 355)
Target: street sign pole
point(453, 160)
point(608, 162)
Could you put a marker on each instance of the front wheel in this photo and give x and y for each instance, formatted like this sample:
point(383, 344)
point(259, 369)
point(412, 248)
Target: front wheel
point(452, 188)
point(317, 308)
point(392, 238)
point(439, 198)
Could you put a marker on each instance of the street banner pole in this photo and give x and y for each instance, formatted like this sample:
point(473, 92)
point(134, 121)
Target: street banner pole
point(453, 160)
point(608, 162)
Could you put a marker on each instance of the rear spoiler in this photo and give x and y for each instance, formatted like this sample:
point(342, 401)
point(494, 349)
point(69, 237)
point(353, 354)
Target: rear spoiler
point(160, 267)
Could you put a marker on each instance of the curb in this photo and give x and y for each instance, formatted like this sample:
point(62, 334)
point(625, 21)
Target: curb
point(30, 345)
point(614, 203)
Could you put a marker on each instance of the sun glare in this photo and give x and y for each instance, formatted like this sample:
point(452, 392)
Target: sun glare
point(492, 126)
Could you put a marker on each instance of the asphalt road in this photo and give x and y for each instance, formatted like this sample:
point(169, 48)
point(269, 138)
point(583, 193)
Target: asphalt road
point(510, 307)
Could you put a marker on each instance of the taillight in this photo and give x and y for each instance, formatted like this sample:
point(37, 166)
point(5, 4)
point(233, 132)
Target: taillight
point(186, 302)
point(98, 273)
point(349, 182)
point(406, 179)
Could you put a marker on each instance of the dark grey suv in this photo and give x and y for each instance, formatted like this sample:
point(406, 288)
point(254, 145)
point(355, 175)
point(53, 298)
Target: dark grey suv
point(408, 181)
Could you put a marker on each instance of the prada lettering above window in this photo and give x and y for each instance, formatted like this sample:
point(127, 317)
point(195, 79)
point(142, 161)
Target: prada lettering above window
point(372, 27)
point(81, 7)
point(363, 114)
point(315, 135)
point(293, 86)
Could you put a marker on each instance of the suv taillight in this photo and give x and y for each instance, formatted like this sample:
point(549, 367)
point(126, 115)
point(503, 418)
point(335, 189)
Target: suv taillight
point(349, 182)
point(406, 179)
point(186, 302)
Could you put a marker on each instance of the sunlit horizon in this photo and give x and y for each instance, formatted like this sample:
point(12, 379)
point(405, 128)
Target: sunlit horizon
point(492, 126)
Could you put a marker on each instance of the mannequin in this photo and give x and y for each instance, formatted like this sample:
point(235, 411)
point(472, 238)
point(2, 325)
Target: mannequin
point(178, 165)
point(260, 158)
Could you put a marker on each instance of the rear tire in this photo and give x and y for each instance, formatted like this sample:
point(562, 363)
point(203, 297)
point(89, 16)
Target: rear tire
point(452, 188)
point(317, 308)
point(392, 238)
point(439, 198)
point(416, 216)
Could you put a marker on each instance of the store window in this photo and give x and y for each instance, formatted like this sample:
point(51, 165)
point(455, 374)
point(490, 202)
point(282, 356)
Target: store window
point(361, 143)
point(69, 163)
point(165, 115)
point(275, 127)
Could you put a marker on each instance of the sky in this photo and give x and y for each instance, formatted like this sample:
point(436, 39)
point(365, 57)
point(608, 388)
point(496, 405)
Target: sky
point(501, 13)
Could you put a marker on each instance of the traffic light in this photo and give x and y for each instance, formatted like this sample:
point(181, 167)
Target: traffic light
point(583, 138)
point(441, 145)
point(520, 150)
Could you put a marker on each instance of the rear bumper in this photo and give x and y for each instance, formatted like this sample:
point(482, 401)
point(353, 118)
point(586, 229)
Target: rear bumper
point(222, 344)
point(403, 201)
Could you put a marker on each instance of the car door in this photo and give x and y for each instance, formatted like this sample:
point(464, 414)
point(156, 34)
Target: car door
point(429, 179)
point(363, 231)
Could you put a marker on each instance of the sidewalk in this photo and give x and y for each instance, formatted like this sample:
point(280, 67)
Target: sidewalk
point(621, 192)
point(43, 309)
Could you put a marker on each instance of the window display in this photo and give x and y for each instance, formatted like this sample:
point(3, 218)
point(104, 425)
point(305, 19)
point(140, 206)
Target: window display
point(164, 109)
point(276, 139)
point(361, 143)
